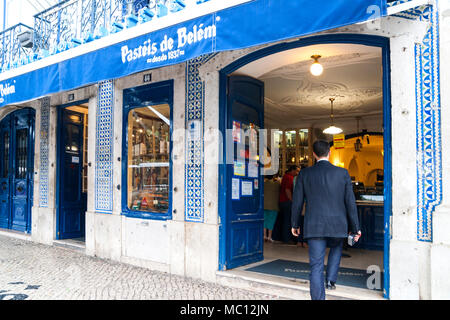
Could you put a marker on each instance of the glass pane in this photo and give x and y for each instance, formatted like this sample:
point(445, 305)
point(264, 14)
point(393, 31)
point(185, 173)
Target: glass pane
point(278, 138)
point(291, 159)
point(290, 139)
point(5, 155)
point(72, 138)
point(148, 158)
point(303, 142)
point(21, 153)
point(303, 137)
point(74, 118)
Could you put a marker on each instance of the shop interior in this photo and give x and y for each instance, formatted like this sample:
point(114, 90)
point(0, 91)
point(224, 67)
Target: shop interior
point(148, 158)
point(332, 92)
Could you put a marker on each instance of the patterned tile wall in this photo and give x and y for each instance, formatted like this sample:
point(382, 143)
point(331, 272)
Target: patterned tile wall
point(395, 3)
point(428, 116)
point(43, 150)
point(104, 148)
point(428, 119)
point(194, 173)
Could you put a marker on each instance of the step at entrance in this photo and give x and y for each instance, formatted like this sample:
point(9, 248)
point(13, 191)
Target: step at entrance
point(288, 288)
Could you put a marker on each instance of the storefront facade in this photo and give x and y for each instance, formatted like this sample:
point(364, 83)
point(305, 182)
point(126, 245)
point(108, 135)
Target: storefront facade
point(182, 110)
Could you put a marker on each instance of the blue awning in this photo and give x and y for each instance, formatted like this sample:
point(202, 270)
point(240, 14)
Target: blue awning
point(250, 24)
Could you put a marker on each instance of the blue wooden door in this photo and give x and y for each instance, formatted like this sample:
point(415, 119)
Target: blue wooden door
point(72, 203)
point(16, 166)
point(5, 170)
point(244, 182)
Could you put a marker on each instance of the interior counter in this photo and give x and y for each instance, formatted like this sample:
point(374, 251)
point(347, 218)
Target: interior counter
point(371, 219)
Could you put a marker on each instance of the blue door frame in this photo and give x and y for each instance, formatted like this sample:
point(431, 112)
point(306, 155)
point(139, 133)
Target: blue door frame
point(374, 41)
point(62, 227)
point(138, 97)
point(17, 169)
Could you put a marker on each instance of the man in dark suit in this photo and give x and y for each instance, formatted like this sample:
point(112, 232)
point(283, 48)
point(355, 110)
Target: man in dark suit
point(330, 214)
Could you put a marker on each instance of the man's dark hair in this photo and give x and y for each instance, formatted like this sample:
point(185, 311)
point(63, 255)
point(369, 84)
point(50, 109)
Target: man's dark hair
point(292, 168)
point(321, 148)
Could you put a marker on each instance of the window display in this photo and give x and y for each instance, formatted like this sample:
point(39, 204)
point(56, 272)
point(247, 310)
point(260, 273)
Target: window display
point(148, 158)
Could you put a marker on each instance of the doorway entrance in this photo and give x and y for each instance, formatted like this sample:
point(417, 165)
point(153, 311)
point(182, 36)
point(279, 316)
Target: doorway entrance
point(295, 111)
point(72, 171)
point(16, 169)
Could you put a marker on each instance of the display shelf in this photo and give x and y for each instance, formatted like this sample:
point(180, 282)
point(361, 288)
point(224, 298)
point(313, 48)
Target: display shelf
point(294, 149)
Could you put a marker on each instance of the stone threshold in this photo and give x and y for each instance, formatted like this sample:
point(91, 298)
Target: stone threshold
point(70, 244)
point(15, 234)
point(288, 288)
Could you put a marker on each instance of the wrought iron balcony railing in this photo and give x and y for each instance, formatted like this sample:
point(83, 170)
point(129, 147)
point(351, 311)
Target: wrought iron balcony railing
point(11, 51)
point(71, 23)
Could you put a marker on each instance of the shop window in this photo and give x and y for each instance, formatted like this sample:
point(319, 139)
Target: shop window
point(148, 158)
point(146, 170)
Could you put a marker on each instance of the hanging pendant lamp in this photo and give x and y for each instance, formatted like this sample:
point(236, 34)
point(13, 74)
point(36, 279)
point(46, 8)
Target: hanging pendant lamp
point(316, 68)
point(332, 129)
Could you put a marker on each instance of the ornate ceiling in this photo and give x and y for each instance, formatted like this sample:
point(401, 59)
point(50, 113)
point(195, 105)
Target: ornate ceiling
point(296, 99)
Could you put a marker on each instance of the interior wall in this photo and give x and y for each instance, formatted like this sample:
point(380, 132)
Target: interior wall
point(362, 164)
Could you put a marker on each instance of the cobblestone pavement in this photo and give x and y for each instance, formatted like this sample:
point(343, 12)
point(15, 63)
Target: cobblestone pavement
point(34, 271)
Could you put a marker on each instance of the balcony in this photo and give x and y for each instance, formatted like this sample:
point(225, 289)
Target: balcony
point(72, 23)
point(12, 53)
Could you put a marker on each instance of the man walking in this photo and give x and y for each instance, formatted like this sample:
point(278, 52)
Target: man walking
point(330, 214)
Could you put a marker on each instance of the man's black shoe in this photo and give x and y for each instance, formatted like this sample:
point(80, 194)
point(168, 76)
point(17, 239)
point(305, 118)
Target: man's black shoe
point(330, 285)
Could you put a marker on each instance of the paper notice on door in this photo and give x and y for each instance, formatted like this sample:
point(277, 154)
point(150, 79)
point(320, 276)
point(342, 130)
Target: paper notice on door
point(247, 188)
point(75, 159)
point(253, 169)
point(235, 189)
point(239, 168)
point(236, 131)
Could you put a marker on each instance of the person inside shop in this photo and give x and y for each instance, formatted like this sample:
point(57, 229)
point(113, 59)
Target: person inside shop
point(271, 208)
point(285, 199)
point(300, 241)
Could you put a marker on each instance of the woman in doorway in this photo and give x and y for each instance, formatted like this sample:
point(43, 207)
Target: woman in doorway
point(271, 196)
point(285, 199)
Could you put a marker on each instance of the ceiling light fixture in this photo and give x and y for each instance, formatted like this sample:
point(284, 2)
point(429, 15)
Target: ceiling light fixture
point(332, 129)
point(316, 68)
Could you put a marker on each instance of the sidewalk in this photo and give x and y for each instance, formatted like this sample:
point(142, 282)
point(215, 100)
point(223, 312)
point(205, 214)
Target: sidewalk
point(33, 271)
